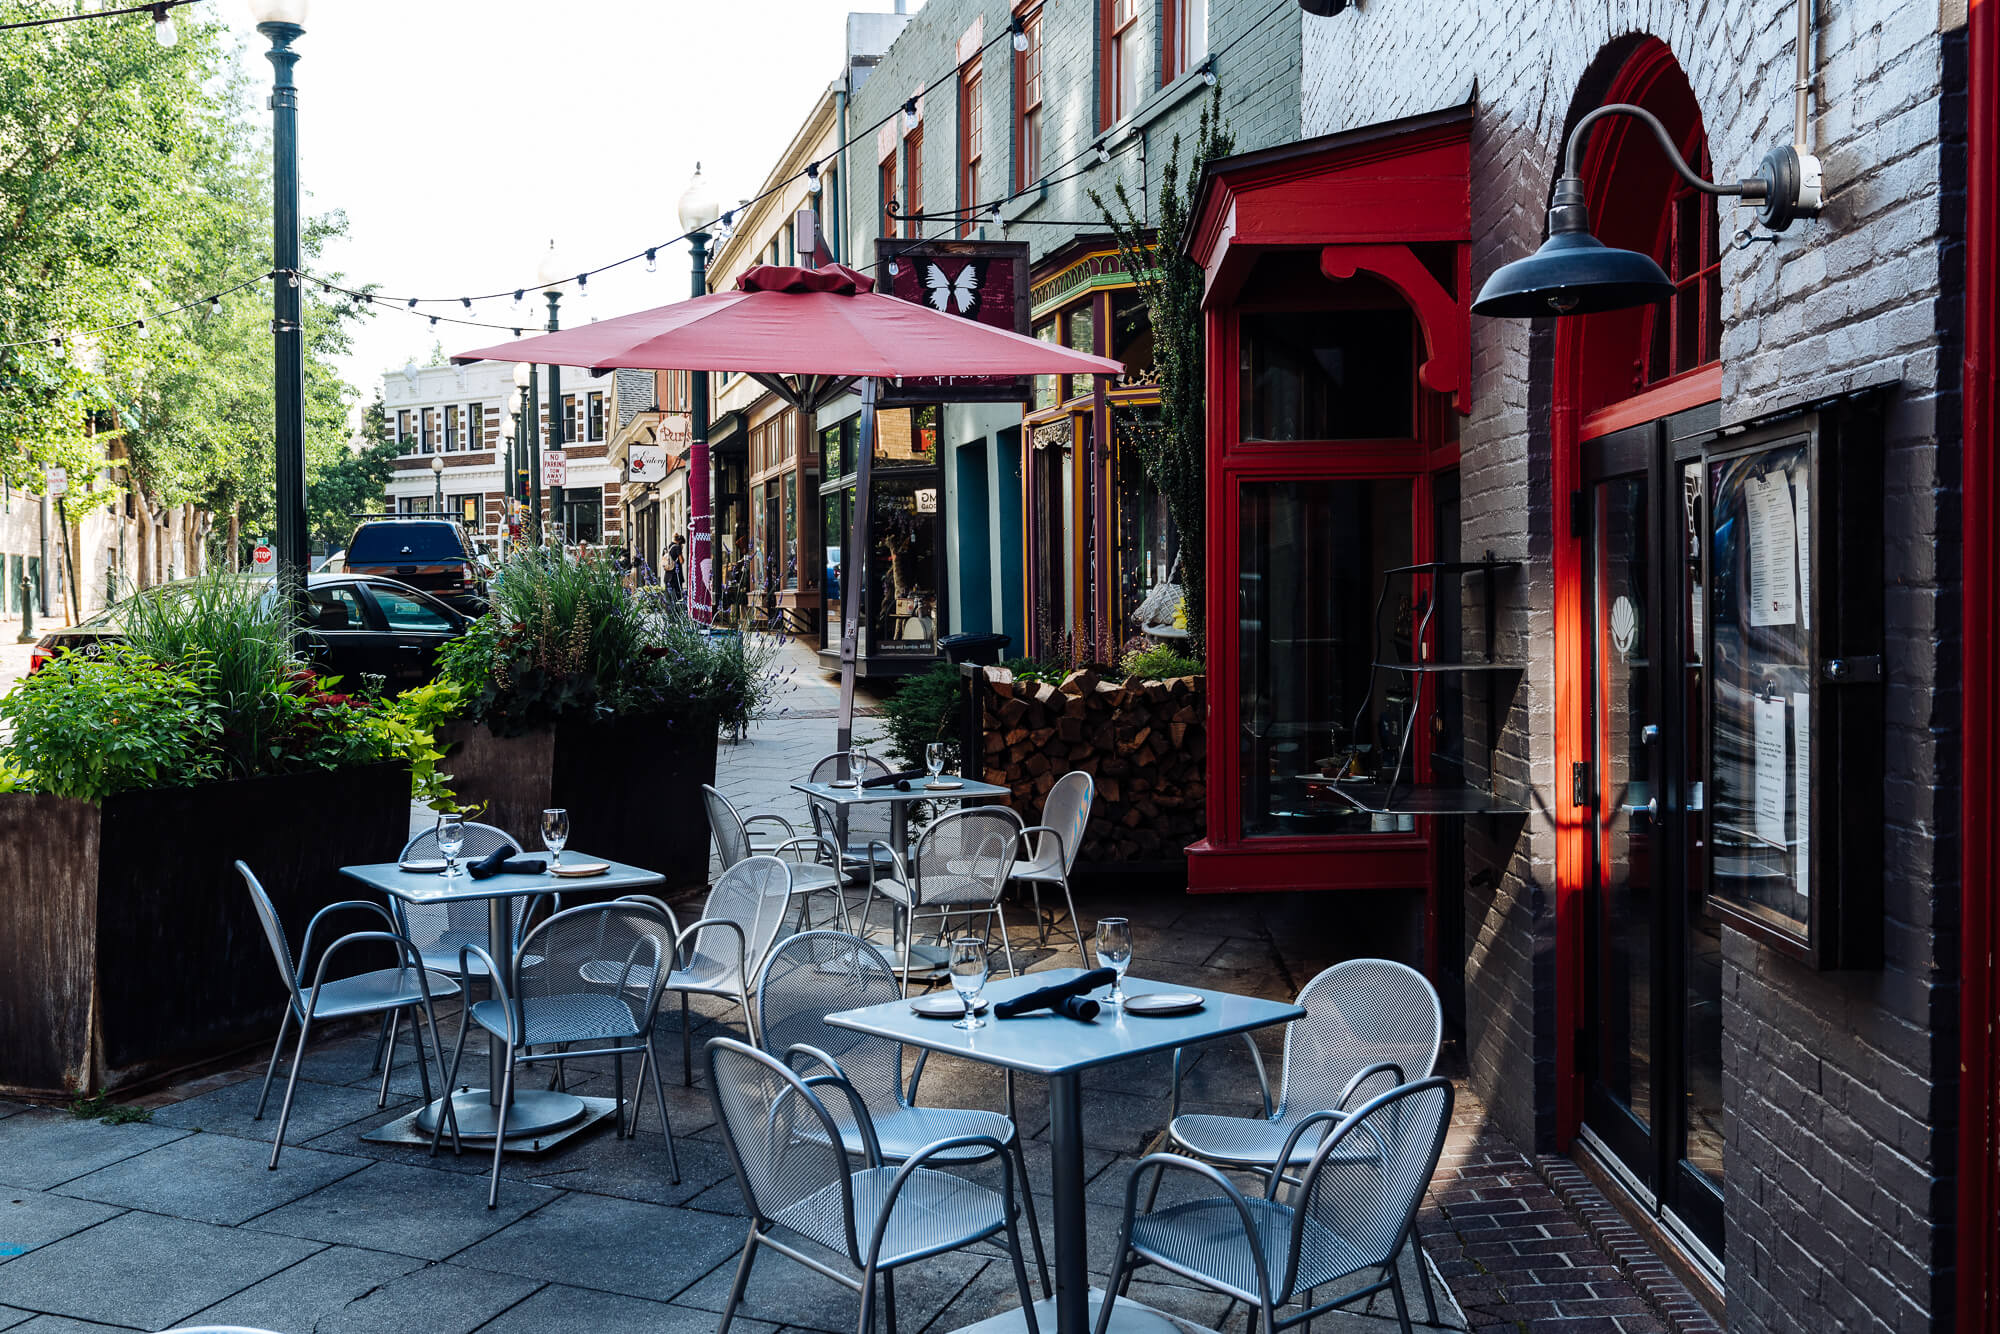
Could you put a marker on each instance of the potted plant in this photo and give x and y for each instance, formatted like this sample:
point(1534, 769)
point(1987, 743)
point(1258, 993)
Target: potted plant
point(581, 693)
point(133, 778)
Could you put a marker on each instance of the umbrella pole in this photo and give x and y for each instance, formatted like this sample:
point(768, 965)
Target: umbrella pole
point(853, 590)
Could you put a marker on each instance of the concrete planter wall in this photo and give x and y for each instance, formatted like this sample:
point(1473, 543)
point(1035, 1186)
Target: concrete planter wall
point(131, 947)
point(1142, 741)
point(632, 787)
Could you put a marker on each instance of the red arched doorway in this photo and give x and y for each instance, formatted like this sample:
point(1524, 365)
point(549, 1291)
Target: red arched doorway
point(1634, 392)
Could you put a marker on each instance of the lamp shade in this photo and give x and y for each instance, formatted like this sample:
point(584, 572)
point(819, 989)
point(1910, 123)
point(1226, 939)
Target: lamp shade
point(1573, 273)
point(437, 463)
point(551, 274)
point(279, 11)
point(699, 208)
point(520, 375)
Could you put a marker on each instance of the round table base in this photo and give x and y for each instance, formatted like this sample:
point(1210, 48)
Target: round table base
point(535, 1112)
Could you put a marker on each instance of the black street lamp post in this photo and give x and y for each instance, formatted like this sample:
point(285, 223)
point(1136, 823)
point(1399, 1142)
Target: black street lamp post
point(551, 278)
point(699, 210)
point(283, 22)
point(437, 475)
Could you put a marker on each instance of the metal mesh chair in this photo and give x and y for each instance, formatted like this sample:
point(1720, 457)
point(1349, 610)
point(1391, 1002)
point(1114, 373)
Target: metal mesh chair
point(808, 977)
point(720, 953)
point(958, 867)
point(853, 829)
point(782, 1143)
point(1352, 1211)
point(573, 981)
point(732, 842)
point(1048, 850)
point(406, 985)
point(438, 929)
point(1364, 1018)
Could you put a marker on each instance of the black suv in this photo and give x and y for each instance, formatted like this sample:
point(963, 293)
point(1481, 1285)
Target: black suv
point(430, 553)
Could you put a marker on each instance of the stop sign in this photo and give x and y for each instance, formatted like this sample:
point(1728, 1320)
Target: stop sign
point(261, 556)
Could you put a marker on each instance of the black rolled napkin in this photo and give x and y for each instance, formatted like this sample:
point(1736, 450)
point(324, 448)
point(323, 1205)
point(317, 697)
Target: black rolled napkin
point(1051, 998)
point(1081, 1008)
point(899, 780)
point(497, 862)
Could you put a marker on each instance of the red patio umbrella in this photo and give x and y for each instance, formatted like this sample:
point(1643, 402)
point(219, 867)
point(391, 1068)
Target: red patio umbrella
point(808, 335)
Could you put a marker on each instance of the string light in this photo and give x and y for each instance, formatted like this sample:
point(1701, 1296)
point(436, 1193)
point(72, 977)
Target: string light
point(164, 31)
point(910, 115)
point(1020, 31)
point(652, 261)
point(1103, 154)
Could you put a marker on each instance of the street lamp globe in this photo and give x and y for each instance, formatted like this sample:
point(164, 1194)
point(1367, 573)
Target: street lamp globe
point(437, 463)
point(551, 275)
point(699, 208)
point(279, 11)
point(520, 375)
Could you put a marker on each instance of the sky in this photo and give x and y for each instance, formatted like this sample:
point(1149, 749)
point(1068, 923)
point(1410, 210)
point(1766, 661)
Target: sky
point(462, 136)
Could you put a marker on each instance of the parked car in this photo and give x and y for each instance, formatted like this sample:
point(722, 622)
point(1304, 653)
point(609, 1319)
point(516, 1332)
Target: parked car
point(430, 552)
point(360, 626)
point(333, 564)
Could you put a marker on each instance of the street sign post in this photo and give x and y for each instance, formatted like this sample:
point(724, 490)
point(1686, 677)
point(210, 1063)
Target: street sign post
point(555, 468)
point(263, 558)
point(58, 485)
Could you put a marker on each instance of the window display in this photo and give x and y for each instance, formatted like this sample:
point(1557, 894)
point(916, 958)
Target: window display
point(902, 605)
point(1307, 377)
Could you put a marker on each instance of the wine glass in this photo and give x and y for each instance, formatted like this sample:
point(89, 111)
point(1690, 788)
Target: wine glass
point(969, 971)
point(1114, 951)
point(934, 759)
point(450, 840)
point(555, 833)
point(857, 764)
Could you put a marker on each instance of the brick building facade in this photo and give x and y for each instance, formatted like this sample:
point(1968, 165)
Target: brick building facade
point(1789, 1128)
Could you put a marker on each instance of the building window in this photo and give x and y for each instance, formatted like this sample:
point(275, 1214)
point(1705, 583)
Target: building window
point(913, 171)
point(596, 417)
point(569, 418)
point(469, 511)
point(452, 439)
point(584, 518)
point(971, 141)
point(888, 227)
point(1185, 38)
point(1028, 103)
point(475, 426)
point(1120, 60)
point(1305, 377)
point(430, 430)
point(405, 439)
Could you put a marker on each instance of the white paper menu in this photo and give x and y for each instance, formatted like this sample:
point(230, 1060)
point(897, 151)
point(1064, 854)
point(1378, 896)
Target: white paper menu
point(1774, 550)
point(1802, 512)
point(1802, 779)
point(1773, 771)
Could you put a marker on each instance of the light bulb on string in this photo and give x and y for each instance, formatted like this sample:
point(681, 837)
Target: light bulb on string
point(413, 303)
point(1103, 154)
point(909, 115)
point(1208, 75)
point(652, 261)
point(140, 329)
point(292, 278)
point(434, 320)
point(519, 292)
point(812, 177)
point(164, 31)
point(1020, 33)
point(466, 301)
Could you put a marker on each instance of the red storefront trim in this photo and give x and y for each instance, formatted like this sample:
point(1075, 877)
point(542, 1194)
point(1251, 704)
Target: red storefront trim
point(1979, 1090)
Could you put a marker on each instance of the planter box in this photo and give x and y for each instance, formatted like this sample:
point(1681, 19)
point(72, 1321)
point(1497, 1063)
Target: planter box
point(632, 788)
point(132, 948)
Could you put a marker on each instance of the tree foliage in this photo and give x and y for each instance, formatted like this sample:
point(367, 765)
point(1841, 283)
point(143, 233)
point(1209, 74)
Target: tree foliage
point(1172, 450)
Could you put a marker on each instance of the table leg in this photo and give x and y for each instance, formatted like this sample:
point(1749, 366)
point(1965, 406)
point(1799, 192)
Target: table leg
point(1071, 1243)
point(500, 944)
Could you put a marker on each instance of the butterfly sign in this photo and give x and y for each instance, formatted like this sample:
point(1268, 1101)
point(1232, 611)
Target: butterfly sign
point(959, 292)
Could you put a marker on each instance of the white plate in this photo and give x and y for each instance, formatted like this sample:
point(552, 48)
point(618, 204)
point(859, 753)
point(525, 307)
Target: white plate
point(844, 784)
point(578, 870)
point(943, 1006)
point(1158, 1004)
point(942, 784)
point(423, 866)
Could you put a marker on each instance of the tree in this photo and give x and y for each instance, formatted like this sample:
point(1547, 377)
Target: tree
point(1172, 450)
point(353, 483)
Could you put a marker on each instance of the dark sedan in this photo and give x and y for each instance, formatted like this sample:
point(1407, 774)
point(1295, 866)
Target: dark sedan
point(361, 625)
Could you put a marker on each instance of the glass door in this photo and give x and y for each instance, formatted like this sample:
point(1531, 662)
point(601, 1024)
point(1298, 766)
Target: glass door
point(1651, 1046)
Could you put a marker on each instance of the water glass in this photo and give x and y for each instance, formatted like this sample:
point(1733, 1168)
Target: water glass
point(450, 840)
point(969, 971)
point(555, 833)
point(934, 758)
point(857, 763)
point(1114, 951)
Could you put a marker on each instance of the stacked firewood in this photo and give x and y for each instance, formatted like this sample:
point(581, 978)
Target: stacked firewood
point(1144, 742)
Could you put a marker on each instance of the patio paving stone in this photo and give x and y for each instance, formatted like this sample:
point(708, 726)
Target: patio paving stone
point(631, 1169)
point(144, 1270)
point(40, 1149)
point(558, 1309)
point(212, 1179)
point(622, 1246)
point(60, 1324)
point(432, 1299)
point(782, 1290)
point(408, 1210)
point(316, 1108)
point(10, 1317)
point(320, 1285)
point(31, 1219)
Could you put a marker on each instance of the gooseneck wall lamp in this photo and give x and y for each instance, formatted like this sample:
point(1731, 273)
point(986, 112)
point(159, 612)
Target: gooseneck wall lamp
point(1574, 273)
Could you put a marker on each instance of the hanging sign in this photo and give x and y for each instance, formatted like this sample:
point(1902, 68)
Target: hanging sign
point(676, 430)
point(646, 464)
point(927, 500)
point(555, 468)
point(985, 281)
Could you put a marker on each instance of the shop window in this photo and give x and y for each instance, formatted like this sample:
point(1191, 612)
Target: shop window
point(1185, 38)
point(791, 529)
point(1048, 391)
point(584, 519)
point(1121, 59)
point(907, 437)
point(1145, 552)
point(1312, 558)
point(1028, 103)
point(1132, 335)
point(1079, 335)
point(902, 596)
point(830, 452)
point(837, 510)
point(1304, 376)
point(469, 511)
point(971, 141)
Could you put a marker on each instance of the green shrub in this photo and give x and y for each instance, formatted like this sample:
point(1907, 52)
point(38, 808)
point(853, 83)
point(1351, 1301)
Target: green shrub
point(1158, 662)
point(89, 726)
point(926, 708)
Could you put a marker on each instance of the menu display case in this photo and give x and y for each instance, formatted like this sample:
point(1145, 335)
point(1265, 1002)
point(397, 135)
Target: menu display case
point(1787, 618)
